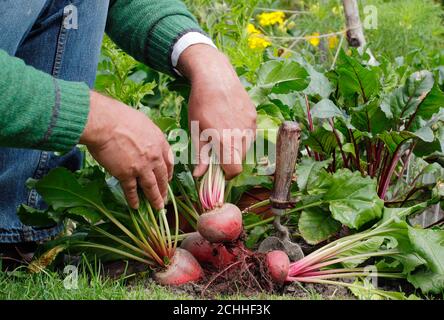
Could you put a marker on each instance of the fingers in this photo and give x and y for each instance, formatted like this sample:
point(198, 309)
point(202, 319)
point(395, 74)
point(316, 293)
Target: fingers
point(161, 174)
point(148, 183)
point(232, 154)
point(232, 168)
point(169, 161)
point(203, 159)
point(129, 187)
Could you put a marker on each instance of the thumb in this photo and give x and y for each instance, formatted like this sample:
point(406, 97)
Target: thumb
point(200, 170)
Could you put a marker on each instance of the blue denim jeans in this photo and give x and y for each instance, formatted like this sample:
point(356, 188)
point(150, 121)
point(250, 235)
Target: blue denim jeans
point(61, 38)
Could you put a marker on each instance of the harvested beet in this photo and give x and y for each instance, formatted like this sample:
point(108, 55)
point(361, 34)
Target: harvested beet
point(183, 268)
point(278, 265)
point(222, 224)
point(205, 252)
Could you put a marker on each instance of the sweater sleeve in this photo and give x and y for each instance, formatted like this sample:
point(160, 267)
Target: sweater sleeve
point(148, 29)
point(37, 110)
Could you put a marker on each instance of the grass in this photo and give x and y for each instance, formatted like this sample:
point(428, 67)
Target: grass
point(20, 285)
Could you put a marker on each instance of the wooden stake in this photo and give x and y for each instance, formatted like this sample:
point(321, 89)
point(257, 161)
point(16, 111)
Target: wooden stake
point(355, 31)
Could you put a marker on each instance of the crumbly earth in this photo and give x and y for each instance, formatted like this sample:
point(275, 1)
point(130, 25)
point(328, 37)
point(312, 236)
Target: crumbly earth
point(246, 277)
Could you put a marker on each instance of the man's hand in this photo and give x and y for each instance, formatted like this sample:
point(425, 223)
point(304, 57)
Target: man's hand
point(218, 101)
point(130, 147)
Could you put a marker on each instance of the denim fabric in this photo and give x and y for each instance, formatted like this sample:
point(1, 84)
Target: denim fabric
point(64, 42)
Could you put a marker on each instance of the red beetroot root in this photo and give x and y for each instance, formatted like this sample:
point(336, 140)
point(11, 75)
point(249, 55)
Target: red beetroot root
point(222, 224)
point(183, 268)
point(278, 265)
point(206, 252)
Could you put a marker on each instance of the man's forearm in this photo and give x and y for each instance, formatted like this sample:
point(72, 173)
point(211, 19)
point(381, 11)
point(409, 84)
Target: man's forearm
point(38, 111)
point(149, 29)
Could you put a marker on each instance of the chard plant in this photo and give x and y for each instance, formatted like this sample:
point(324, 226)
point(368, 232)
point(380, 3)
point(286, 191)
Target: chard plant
point(398, 250)
point(372, 139)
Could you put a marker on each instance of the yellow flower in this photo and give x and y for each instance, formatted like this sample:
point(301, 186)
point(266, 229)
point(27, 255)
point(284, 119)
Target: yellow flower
point(314, 39)
point(336, 10)
point(251, 29)
point(314, 8)
point(271, 18)
point(333, 41)
point(291, 25)
point(258, 41)
point(282, 27)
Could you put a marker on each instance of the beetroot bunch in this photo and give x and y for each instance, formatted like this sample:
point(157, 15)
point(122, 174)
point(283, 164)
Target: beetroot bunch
point(219, 229)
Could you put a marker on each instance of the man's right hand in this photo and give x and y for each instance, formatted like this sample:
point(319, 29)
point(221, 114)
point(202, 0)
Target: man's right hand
point(130, 147)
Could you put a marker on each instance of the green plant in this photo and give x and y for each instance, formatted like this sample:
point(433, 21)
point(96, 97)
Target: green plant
point(119, 77)
point(107, 227)
point(400, 251)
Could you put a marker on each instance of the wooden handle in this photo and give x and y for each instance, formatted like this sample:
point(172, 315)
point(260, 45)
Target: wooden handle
point(287, 147)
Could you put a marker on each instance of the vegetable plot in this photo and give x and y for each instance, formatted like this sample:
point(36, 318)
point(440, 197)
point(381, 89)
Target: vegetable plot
point(371, 157)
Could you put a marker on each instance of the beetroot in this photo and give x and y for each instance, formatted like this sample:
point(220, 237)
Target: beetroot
point(222, 224)
point(205, 252)
point(278, 265)
point(183, 268)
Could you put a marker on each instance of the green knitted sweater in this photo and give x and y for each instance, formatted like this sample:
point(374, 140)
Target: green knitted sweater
point(41, 112)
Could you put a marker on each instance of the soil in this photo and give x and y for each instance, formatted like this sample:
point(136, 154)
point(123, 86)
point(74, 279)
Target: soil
point(296, 290)
point(253, 196)
point(246, 277)
point(327, 292)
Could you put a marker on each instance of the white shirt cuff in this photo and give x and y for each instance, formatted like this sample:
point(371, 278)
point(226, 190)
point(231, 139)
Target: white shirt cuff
point(187, 40)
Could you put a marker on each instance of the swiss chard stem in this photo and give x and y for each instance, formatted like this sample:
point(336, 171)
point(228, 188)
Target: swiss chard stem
point(330, 271)
point(383, 168)
point(338, 140)
point(346, 275)
point(355, 146)
point(334, 248)
point(348, 258)
point(388, 174)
